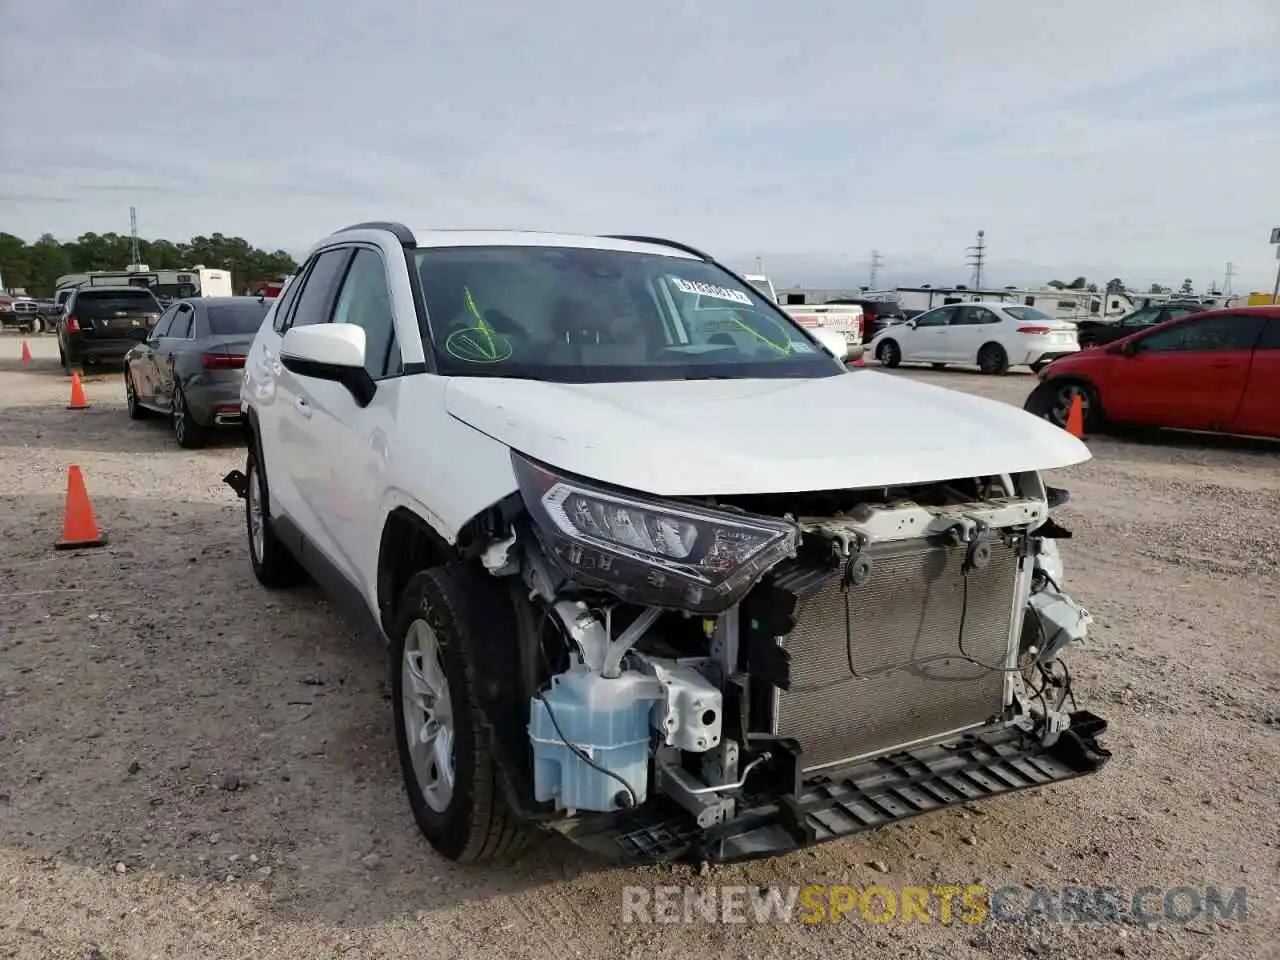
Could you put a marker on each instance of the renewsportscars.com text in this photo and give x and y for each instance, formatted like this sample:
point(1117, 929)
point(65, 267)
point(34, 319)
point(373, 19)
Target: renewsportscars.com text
point(942, 904)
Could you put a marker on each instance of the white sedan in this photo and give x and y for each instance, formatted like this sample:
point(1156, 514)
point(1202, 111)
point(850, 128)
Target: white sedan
point(993, 335)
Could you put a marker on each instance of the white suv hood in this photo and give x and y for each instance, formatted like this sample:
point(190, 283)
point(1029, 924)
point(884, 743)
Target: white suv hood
point(705, 437)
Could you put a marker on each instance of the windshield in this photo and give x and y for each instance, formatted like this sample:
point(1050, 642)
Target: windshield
point(236, 319)
point(91, 303)
point(598, 316)
point(1028, 314)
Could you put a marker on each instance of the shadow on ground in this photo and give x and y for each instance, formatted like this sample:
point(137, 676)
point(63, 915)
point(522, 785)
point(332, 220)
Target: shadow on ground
point(164, 711)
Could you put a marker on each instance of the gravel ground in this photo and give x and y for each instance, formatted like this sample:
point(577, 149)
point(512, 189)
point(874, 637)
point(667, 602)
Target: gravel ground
point(190, 766)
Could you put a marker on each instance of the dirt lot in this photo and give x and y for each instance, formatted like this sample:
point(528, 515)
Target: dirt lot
point(190, 766)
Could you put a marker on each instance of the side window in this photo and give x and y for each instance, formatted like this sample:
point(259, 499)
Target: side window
point(1270, 336)
point(1220, 334)
point(315, 299)
point(365, 300)
point(162, 325)
point(972, 316)
point(1141, 318)
point(288, 297)
point(181, 326)
point(935, 318)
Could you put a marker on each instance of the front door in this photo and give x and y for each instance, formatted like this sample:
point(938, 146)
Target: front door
point(926, 338)
point(1188, 374)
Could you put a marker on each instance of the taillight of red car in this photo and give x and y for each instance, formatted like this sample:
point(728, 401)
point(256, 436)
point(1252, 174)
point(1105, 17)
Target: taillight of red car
point(221, 361)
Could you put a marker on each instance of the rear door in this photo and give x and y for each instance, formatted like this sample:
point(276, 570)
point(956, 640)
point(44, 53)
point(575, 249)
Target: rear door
point(143, 366)
point(1259, 412)
point(166, 348)
point(971, 326)
point(297, 464)
point(1188, 374)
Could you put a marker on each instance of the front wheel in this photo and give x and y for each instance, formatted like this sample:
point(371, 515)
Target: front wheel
point(889, 354)
point(446, 756)
point(1053, 400)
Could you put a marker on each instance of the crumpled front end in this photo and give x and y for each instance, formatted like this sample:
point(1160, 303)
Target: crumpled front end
point(727, 678)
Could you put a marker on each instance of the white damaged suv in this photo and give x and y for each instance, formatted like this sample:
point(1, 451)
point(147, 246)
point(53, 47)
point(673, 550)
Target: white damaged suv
point(648, 576)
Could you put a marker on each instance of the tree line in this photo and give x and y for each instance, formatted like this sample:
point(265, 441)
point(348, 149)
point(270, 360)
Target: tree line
point(1117, 286)
point(36, 267)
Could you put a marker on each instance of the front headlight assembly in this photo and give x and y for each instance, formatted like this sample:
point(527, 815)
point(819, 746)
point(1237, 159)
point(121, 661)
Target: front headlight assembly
point(648, 551)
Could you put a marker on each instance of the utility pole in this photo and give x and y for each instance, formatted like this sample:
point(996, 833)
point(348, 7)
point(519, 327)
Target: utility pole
point(1226, 282)
point(877, 262)
point(976, 257)
point(133, 233)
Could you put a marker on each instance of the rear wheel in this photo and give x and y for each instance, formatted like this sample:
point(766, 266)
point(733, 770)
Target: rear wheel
point(992, 360)
point(445, 744)
point(136, 410)
point(273, 565)
point(189, 434)
point(889, 354)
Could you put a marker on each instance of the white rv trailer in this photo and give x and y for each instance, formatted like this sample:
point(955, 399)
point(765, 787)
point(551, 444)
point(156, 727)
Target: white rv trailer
point(1060, 304)
point(180, 284)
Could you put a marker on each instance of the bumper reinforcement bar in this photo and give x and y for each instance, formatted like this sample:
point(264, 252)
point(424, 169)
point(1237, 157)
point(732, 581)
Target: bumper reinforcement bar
point(864, 796)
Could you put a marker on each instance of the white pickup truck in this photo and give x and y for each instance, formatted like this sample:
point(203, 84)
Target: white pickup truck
point(842, 318)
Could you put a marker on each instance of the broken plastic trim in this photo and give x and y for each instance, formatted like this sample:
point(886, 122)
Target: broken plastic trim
point(238, 482)
point(865, 796)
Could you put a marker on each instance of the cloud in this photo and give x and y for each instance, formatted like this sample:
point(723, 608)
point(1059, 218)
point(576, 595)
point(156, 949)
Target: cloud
point(1140, 137)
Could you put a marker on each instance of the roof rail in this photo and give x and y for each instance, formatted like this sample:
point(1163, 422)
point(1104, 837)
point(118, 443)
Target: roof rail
point(659, 241)
point(402, 233)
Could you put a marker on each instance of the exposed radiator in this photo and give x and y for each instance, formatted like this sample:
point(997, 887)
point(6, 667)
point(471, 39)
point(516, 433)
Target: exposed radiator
point(899, 631)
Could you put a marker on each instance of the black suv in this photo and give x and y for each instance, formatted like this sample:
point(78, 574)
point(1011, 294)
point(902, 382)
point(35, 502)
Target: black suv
point(104, 323)
point(1097, 333)
point(876, 315)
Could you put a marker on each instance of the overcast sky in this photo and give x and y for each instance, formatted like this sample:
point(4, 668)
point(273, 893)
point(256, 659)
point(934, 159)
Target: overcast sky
point(1138, 138)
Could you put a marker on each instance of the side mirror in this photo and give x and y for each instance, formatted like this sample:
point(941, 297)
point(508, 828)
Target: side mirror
point(329, 351)
point(1129, 348)
point(832, 342)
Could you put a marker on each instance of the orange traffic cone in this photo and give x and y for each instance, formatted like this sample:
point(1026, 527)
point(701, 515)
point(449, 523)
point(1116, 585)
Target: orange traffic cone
point(77, 394)
point(26, 354)
point(79, 529)
point(1075, 417)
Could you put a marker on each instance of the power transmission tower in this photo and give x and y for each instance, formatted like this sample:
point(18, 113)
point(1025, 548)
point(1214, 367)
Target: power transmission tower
point(877, 262)
point(977, 258)
point(1226, 282)
point(136, 257)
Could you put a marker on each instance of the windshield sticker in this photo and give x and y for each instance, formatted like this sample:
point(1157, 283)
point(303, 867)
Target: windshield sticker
point(478, 344)
point(698, 288)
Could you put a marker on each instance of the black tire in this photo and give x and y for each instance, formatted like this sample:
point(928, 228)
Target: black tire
point(136, 410)
point(273, 565)
point(475, 824)
point(1038, 366)
point(1051, 399)
point(189, 434)
point(992, 360)
point(889, 354)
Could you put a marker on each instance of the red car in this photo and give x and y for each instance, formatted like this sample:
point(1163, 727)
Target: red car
point(1217, 371)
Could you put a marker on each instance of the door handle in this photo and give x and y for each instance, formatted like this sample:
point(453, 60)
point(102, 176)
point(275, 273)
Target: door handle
point(301, 405)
